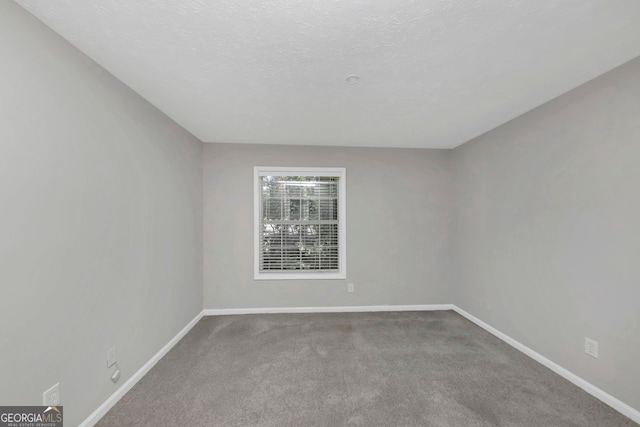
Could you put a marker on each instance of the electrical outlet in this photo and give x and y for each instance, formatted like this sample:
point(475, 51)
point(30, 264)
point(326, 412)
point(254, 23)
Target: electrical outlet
point(591, 347)
point(51, 397)
point(350, 287)
point(112, 357)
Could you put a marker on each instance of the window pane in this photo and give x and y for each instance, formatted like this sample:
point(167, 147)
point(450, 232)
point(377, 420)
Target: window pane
point(299, 223)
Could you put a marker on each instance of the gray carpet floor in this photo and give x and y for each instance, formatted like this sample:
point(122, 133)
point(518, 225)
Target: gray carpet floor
point(361, 369)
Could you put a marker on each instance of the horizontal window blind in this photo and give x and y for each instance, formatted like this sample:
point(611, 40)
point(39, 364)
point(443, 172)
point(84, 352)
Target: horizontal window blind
point(299, 223)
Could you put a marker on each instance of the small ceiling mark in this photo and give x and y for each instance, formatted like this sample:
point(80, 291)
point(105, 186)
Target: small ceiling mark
point(353, 80)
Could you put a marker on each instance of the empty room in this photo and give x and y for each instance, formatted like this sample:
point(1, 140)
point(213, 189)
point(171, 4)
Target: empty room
point(319, 213)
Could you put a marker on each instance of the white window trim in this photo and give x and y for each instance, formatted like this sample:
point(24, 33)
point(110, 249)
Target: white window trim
point(259, 171)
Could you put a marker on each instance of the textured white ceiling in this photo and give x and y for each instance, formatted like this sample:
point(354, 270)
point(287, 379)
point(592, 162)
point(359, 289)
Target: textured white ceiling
point(433, 73)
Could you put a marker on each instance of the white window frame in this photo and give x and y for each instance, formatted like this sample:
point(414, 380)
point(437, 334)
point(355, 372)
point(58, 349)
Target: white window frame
point(341, 173)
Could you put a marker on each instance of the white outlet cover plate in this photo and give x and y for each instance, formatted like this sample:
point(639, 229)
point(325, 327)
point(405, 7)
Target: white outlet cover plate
point(591, 347)
point(51, 397)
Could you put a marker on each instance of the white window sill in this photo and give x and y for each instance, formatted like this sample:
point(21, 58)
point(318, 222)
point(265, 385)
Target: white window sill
point(300, 276)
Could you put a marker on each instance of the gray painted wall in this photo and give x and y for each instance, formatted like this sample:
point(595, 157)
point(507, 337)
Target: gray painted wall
point(547, 230)
point(397, 227)
point(100, 219)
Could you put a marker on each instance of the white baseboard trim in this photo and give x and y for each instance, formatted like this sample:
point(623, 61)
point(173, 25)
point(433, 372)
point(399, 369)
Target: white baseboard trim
point(600, 394)
point(337, 309)
point(128, 385)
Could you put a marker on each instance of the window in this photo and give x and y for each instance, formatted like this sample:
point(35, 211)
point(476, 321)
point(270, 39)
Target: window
point(300, 223)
